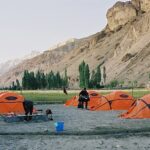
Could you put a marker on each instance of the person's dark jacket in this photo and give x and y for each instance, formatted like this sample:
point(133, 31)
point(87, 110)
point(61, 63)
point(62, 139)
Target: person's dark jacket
point(28, 106)
point(84, 96)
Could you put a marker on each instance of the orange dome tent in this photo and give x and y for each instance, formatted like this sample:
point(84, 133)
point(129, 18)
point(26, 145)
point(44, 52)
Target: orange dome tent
point(94, 96)
point(140, 109)
point(117, 100)
point(11, 102)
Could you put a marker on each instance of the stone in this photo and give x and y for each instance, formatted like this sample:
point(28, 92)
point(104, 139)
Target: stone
point(120, 14)
point(145, 5)
point(136, 4)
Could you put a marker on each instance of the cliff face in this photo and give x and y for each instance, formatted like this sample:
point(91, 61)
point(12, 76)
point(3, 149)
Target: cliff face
point(120, 14)
point(144, 5)
point(124, 12)
point(123, 47)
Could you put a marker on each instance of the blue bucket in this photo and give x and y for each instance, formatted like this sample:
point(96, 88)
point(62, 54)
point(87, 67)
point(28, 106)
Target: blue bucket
point(59, 126)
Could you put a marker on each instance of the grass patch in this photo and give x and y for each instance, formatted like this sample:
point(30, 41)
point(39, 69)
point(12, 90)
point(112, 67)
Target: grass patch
point(47, 97)
point(57, 96)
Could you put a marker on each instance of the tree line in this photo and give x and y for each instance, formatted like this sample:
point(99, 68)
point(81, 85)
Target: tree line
point(40, 80)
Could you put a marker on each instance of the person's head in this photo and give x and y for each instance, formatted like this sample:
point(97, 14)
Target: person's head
point(84, 89)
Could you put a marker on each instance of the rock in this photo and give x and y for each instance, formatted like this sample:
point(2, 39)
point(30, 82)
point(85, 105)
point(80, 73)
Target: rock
point(145, 5)
point(120, 14)
point(136, 4)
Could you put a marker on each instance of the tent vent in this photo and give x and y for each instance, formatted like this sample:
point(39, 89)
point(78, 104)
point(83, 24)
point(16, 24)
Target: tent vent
point(124, 96)
point(11, 98)
point(94, 94)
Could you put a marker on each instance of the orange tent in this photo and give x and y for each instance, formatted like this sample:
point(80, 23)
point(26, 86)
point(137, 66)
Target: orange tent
point(94, 96)
point(140, 109)
point(11, 102)
point(117, 100)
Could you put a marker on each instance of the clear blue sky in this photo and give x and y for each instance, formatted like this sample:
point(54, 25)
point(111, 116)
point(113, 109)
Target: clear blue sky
point(27, 25)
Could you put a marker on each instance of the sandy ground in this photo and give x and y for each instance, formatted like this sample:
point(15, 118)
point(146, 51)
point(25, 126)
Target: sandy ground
point(83, 130)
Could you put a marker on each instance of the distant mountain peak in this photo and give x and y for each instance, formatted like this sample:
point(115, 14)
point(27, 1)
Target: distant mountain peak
point(32, 54)
point(71, 40)
point(12, 63)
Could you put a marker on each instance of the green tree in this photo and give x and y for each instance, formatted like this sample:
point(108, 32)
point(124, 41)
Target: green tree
point(18, 87)
point(104, 74)
point(50, 80)
point(135, 83)
point(39, 80)
point(81, 74)
point(121, 83)
point(98, 77)
point(86, 76)
point(32, 84)
point(25, 80)
point(65, 79)
point(58, 80)
point(114, 83)
point(43, 81)
point(13, 86)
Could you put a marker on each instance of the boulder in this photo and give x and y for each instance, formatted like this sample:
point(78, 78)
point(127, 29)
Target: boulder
point(120, 14)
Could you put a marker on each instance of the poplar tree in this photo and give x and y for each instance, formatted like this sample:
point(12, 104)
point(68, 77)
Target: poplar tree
point(38, 79)
point(98, 76)
point(104, 74)
point(32, 81)
point(81, 74)
point(66, 78)
point(18, 87)
point(43, 81)
point(25, 80)
point(86, 75)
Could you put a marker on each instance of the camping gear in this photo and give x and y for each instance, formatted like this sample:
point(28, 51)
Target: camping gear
point(139, 110)
point(117, 100)
point(94, 96)
point(49, 113)
point(36, 117)
point(59, 126)
point(21, 118)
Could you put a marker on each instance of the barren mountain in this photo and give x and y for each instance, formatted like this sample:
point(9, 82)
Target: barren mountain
point(123, 47)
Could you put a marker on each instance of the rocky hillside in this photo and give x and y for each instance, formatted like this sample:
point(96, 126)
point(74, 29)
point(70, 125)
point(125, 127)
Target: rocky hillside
point(123, 47)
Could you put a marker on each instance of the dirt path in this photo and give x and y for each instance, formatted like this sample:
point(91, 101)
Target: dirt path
point(83, 130)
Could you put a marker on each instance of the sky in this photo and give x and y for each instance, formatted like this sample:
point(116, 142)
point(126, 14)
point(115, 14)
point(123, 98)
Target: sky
point(37, 25)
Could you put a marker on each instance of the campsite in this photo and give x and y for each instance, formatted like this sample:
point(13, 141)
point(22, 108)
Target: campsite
point(83, 129)
point(75, 75)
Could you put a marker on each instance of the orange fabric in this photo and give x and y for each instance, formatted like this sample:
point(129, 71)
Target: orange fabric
point(117, 100)
point(11, 102)
point(72, 102)
point(94, 96)
point(140, 109)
